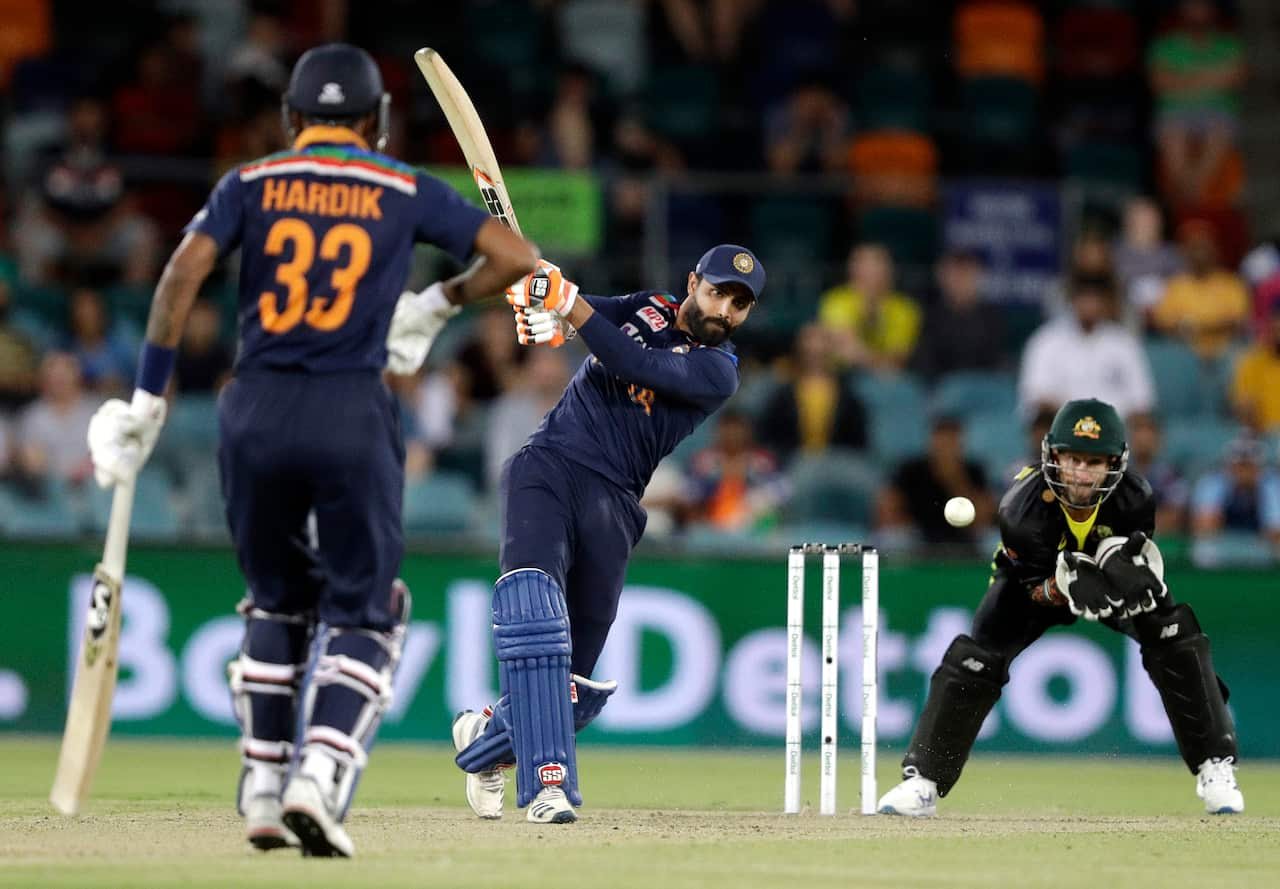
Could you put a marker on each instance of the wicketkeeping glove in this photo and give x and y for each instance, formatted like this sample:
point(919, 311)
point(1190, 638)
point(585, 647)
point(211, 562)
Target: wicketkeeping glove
point(1078, 577)
point(1127, 566)
point(544, 288)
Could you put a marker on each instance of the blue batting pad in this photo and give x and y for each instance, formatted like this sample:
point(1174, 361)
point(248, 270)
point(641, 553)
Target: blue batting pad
point(493, 748)
point(531, 637)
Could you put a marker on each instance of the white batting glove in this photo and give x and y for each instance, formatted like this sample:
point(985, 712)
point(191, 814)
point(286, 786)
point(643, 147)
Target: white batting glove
point(538, 326)
point(122, 436)
point(418, 320)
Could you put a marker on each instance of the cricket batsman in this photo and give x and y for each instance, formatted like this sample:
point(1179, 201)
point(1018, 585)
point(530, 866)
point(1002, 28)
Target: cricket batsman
point(1075, 542)
point(309, 450)
point(571, 496)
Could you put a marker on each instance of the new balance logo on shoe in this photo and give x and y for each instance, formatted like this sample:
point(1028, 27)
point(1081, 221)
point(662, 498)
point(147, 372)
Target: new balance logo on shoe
point(1169, 632)
point(972, 663)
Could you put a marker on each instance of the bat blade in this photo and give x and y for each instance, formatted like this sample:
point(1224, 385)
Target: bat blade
point(97, 664)
point(470, 133)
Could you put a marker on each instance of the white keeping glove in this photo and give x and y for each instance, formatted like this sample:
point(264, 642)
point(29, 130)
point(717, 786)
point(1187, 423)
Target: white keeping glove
point(418, 320)
point(122, 436)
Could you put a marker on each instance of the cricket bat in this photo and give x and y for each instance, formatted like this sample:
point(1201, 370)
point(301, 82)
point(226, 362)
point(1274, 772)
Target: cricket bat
point(469, 131)
point(89, 711)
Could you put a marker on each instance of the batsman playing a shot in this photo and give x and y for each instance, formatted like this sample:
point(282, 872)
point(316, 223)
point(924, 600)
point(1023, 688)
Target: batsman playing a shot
point(308, 431)
point(572, 513)
point(1075, 542)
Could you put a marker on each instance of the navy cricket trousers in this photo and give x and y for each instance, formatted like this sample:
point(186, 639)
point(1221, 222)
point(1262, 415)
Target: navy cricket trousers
point(291, 444)
point(578, 527)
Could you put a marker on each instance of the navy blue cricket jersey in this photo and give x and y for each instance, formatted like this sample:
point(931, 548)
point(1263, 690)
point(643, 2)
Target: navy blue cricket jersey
point(629, 405)
point(327, 230)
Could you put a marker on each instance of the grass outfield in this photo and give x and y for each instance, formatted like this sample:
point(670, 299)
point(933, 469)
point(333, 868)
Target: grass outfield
point(161, 816)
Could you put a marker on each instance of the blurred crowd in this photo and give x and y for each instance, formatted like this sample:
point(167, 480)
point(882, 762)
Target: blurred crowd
point(874, 388)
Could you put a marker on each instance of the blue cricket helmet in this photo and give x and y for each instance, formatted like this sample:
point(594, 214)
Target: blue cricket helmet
point(337, 81)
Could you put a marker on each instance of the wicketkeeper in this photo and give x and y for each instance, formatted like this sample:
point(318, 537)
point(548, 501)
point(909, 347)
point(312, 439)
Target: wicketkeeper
point(1075, 542)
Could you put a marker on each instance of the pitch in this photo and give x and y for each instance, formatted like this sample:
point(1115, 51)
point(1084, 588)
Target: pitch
point(161, 815)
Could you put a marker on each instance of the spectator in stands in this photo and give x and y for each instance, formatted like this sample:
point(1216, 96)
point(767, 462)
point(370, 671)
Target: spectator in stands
point(735, 483)
point(1144, 260)
point(815, 408)
point(874, 326)
point(517, 412)
point(491, 356)
point(18, 360)
point(53, 430)
point(1197, 70)
point(571, 129)
point(1243, 497)
point(910, 505)
point(1255, 390)
point(1085, 355)
point(961, 330)
point(82, 226)
point(807, 132)
point(1146, 457)
point(160, 110)
point(204, 360)
point(105, 356)
point(1207, 305)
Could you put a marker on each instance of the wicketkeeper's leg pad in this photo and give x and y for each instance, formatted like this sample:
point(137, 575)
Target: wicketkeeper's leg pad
point(493, 748)
point(962, 692)
point(1175, 653)
point(264, 683)
point(348, 693)
point(531, 638)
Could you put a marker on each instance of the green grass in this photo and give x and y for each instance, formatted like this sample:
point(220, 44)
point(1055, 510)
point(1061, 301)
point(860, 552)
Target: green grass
point(162, 815)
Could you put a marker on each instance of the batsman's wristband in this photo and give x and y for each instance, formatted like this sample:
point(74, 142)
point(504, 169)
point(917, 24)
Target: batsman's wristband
point(155, 366)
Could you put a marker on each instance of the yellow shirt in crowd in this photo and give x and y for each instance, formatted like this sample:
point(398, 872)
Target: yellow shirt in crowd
point(1191, 304)
point(892, 332)
point(1256, 388)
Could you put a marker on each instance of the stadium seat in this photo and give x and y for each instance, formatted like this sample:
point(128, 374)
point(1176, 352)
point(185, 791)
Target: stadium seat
point(442, 502)
point(832, 486)
point(897, 98)
point(1197, 444)
point(792, 228)
point(1176, 372)
point(996, 440)
point(681, 102)
point(1001, 111)
point(999, 37)
point(910, 233)
point(205, 514)
point(1105, 164)
point(898, 413)
point(154, 516)
point(1096, 43)
point(971, 392)
point(49, 515)
point(894, 166)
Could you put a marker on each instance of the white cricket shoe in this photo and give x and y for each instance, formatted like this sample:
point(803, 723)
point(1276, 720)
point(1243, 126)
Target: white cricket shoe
point(307, 814)
point(915, 797)
point(264, 825)
point(1216, 785)
point(551, 806)
point(485, 790)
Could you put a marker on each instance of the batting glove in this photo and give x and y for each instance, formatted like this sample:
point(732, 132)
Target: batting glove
point(122, 436)
point(534, 327)
point(418, 320)
point(545, 288)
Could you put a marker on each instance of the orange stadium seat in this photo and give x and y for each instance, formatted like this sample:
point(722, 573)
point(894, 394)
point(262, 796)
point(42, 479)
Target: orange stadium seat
point(24, 32)
point(999, 37)
point(894, 167)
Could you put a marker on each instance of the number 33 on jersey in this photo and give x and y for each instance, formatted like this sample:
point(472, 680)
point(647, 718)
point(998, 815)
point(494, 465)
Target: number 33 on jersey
point(327, 230)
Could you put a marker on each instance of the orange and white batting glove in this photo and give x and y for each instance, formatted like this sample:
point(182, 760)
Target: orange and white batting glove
point(544, 288)
point(536, 326)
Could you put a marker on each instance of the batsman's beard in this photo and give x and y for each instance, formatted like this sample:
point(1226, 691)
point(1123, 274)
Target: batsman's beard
point(708, 330)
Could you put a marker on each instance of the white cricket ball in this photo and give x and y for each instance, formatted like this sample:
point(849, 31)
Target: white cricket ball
point(959, 512)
